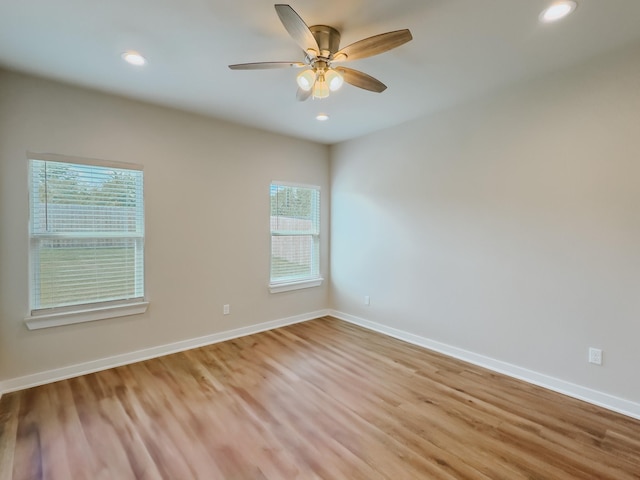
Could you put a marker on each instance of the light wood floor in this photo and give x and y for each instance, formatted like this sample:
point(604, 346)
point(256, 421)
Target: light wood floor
point(321, 399)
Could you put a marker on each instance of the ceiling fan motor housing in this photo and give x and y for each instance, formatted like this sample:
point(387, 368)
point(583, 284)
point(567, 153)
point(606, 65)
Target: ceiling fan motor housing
point(328, 39)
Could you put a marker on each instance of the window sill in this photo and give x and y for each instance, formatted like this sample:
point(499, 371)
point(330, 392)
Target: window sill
point(35, 322)
point(286, 287)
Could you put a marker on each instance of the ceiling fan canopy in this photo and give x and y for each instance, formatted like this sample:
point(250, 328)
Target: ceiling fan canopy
point(321, 47)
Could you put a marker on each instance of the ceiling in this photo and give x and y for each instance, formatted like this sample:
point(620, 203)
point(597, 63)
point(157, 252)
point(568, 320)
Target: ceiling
point(461, 49)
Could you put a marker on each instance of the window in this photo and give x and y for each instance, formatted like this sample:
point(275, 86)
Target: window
point(86, 233)
point(295, 237)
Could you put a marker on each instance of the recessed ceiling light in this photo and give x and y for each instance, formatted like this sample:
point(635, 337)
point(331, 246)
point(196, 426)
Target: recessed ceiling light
point(557, 11)
point(322, 117)
point(134, 58)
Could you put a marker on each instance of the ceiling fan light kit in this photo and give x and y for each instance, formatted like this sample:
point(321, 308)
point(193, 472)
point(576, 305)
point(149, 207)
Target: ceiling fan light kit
point(320, 88)
point(334, 79)
point(321, 47)
point(320, 81)
point(306, 79)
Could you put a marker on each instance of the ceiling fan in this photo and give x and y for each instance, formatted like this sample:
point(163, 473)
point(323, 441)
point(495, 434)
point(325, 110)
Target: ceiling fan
point(321, 47)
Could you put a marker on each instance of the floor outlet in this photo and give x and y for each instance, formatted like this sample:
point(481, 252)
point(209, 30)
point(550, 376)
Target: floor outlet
point(595, 356)
point(225, 309)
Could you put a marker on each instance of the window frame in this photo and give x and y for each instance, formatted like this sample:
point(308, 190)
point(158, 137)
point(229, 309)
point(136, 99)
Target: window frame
point(86, 312)
point(315, 279)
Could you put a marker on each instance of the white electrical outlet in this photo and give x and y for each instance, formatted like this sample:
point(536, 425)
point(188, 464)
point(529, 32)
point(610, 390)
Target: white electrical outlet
point(225, 309)
point(595, 356)
point(367, 300)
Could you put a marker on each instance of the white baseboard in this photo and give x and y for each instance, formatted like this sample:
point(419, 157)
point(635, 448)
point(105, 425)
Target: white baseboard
point(54, 375)
point(594, 397)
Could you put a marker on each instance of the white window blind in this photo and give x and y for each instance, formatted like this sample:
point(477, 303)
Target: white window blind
point(295, 233)
point(86, 235)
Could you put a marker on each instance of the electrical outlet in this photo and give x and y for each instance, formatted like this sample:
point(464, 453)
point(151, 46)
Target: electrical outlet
point(226, 309)
point(595, 356)
point(367, 300)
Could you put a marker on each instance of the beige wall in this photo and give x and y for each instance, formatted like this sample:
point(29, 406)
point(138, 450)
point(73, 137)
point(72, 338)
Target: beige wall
point(207, 219)
point(508, 227)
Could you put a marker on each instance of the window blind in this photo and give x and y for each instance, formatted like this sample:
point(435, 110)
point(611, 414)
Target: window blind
point(86, 234)
point(295, 233)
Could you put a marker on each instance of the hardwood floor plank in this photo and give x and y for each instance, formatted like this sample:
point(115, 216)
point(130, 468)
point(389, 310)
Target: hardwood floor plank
point(318, 400)
point(9, 407)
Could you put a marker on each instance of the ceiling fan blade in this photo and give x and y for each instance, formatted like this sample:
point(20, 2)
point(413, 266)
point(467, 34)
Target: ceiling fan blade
point(373, 45)
point(266, 65)
point(296, 27)
point(302, 95)
point(361, 79)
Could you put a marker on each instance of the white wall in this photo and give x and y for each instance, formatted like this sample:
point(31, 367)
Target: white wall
point(207, 219)
point(508, 227)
